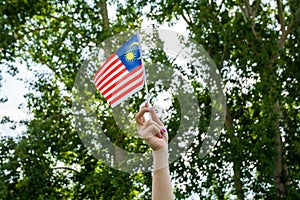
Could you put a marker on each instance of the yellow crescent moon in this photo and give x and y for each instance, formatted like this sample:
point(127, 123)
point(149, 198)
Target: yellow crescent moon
point(132, 44)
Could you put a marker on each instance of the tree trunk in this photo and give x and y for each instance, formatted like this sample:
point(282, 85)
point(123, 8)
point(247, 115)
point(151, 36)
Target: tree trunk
point(280, 167)
point(280, 179)
point(238, 185)
point(237, 179)
point(103, 11)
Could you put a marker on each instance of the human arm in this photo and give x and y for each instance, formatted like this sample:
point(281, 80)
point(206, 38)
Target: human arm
point(156, 136)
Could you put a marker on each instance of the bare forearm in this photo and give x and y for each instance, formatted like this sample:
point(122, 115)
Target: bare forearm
point(156, 136)
point(161, 181)
point(162, 188)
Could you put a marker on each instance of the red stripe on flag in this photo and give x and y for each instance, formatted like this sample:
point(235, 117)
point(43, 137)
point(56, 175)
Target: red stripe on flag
point(111, 88)
point(104, 68)
point(106, 77)
point(128, 91)
point(110, 79)
point(108, 96)
point(129, 82)
point(116, 94)
point(123, 84)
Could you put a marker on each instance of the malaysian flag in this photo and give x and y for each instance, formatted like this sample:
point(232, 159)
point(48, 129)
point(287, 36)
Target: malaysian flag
point(122, 73)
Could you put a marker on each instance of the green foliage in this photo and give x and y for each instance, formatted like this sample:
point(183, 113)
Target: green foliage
point(256, 55)
point(49, 161)
point(255, 46)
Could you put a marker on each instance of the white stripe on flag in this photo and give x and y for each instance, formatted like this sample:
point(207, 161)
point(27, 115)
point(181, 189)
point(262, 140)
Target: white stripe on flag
point(106, 66)
point(116, 95)
point(132, 76)
point(126, 96)
point(113, 67)
point(113, 81)
point(122, 82)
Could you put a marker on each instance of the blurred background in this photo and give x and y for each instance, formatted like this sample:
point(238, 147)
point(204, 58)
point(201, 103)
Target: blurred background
point(255, 47)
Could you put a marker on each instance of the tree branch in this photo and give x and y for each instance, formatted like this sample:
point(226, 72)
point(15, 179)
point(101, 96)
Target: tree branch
point(256, 7)
point(283, 37)
point(248, 9)
point(65, 168)
point(103, 11)
point(223, 55)
point(280, 15)
point(20, 34)
point(249, 12)
point(288, 30)
point(243, 11)
point(187, 19)
point(253, 13)
point(37, 29)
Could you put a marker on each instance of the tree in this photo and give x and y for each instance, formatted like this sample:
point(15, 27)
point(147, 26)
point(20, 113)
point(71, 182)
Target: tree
point(253, 45)
point(49, 161)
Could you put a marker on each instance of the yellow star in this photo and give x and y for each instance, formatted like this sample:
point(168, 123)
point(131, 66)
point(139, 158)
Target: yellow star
point(129, 56)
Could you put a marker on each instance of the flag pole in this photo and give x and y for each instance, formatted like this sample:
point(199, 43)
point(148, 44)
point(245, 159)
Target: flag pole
point(144, 69)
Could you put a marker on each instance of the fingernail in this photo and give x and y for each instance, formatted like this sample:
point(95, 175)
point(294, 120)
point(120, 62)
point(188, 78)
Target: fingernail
point(163, 129)
point(160, 135)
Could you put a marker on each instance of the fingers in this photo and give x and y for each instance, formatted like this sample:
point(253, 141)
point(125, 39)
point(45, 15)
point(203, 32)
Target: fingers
point(152, 130)
point(153, 113)
point(154, 135)
point(139, 116)
point(149, 129)
point(165, 133)
point(154, 117)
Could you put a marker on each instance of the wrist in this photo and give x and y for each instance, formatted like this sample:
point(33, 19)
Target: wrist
point(161, 158)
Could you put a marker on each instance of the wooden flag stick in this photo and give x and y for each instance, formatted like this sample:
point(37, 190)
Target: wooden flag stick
point(144, 69)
